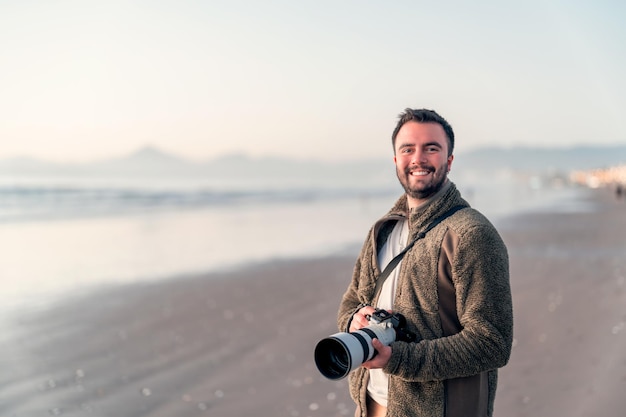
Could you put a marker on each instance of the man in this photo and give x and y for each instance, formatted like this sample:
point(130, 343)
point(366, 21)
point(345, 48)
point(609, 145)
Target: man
point(452, 286)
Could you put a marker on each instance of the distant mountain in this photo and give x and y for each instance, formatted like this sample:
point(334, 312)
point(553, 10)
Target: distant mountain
point(152, 155)
point(148, 160)
point(26, 164)
point(153, 162)
point(542, 160)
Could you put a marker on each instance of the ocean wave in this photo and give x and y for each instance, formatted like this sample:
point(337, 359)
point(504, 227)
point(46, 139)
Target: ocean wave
point(26, 202)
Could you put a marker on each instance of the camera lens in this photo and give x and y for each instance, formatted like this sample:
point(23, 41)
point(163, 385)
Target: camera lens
point(339, 354)
point(332, 358)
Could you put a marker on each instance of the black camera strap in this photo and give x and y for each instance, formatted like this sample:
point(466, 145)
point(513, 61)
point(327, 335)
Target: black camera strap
point(396, 260)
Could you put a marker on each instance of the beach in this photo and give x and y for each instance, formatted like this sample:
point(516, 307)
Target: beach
point(240, 342)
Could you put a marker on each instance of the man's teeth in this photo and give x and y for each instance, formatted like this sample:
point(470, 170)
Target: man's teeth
point(420, 172)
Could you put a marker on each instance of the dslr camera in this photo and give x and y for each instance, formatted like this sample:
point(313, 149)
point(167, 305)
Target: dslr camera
point(339, 354)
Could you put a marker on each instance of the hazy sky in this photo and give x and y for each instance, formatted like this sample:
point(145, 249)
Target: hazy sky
point(82, 80)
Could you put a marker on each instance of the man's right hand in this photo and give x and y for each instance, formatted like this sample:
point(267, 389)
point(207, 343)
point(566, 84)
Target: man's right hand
point(360, 318)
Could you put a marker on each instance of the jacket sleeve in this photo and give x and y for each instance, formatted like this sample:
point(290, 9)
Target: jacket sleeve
point(480, 271)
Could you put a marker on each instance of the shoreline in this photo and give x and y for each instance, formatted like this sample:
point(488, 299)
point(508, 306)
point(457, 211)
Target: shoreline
point(50, 258)
point(240, 342)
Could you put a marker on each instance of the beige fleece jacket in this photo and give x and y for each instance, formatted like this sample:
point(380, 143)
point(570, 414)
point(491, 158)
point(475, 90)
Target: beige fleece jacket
point(451, 370)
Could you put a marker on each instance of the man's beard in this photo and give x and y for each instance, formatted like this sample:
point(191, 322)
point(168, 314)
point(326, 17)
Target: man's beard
point(423, 190)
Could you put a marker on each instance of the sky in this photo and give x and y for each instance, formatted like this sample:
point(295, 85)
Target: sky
point(325, 79)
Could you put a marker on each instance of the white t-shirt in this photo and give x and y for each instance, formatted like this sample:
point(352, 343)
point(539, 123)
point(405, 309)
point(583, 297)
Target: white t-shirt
point(378, 384)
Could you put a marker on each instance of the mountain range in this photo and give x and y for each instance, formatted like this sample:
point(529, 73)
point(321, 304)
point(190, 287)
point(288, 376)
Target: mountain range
point(153, 162)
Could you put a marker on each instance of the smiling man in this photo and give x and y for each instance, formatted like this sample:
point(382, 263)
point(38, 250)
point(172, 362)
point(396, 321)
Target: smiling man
point(452, 286)
point(423, 157)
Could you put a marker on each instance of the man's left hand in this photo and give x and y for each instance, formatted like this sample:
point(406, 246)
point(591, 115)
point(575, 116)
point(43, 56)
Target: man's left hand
point(380, 360)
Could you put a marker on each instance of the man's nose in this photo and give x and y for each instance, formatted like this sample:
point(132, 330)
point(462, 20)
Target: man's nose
point(418, 157)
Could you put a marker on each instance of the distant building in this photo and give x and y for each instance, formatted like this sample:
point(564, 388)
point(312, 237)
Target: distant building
point(600, 177)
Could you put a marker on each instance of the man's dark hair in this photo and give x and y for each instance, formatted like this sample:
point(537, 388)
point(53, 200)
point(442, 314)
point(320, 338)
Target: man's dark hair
point(423, 116)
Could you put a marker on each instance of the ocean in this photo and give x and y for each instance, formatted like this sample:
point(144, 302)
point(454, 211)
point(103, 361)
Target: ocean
point(60, 236)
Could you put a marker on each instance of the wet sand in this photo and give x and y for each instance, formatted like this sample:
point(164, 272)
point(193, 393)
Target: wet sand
point(568, 281)
point(240, 343)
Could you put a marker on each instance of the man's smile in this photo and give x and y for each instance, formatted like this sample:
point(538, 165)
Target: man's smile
point(419, 172)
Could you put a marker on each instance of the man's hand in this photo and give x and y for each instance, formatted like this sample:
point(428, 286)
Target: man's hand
point(381, 359)
point(360, 318)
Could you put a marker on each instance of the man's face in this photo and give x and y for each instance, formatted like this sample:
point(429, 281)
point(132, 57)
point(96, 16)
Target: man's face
point(422, 161)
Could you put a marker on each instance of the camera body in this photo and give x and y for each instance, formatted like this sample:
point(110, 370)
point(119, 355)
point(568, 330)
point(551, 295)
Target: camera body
point(339, 354)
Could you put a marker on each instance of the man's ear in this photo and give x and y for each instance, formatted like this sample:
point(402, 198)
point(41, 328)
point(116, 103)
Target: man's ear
point(450, 159)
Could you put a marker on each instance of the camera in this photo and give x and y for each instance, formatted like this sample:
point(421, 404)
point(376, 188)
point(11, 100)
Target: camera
point(339, 354)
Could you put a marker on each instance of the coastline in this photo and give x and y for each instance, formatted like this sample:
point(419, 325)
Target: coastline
point(241, 342)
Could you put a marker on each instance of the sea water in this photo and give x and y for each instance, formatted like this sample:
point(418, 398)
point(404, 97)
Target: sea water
point(63, 235)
